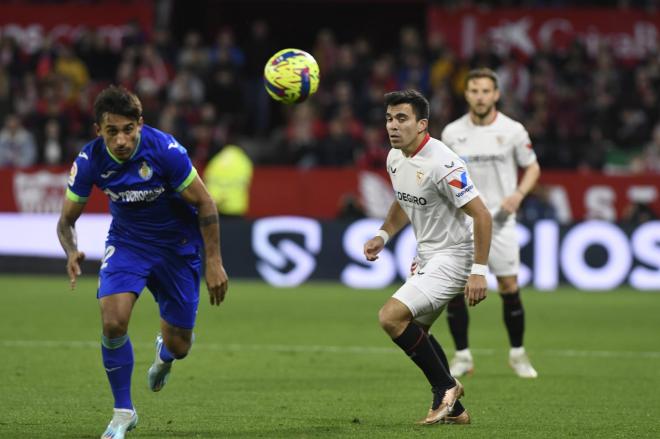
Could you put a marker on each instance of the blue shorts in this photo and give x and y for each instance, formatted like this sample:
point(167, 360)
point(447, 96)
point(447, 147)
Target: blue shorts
point(172, 278)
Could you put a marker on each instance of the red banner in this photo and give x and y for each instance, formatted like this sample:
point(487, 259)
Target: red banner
point(30, 24)
point(323, 193)
point(632, 34)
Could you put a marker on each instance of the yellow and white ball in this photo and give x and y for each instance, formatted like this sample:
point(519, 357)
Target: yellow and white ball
point(291, 76)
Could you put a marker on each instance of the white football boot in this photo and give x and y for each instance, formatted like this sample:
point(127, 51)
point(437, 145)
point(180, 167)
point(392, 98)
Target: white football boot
point(461, 364)
point(160, 370)
point(520, 363)
point(122, 421)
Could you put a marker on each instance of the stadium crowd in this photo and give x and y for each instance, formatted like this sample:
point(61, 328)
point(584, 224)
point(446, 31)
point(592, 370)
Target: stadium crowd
point(582, 112)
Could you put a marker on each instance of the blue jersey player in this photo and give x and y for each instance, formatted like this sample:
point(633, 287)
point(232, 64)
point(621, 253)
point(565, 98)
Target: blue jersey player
point(162, 220)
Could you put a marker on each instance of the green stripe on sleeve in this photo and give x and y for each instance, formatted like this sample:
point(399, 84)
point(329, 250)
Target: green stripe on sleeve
point(188, 181)
point(75, 198)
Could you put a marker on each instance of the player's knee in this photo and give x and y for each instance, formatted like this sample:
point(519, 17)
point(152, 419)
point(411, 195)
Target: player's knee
point(507, 285)
point(390, 323)
point(179, 349)
point(114, 327)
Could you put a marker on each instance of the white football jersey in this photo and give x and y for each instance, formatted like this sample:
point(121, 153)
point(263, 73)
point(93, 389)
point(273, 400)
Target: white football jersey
point(431, 186)
point(493, 154)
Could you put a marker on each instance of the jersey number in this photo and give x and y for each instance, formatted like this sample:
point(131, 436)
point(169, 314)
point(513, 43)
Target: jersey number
point(109, 251)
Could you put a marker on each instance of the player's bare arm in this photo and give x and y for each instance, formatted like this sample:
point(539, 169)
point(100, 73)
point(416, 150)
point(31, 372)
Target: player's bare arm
point(476, 287)
point(66, 232)
point(396, 219)
point(531, 175)
point(217, 281)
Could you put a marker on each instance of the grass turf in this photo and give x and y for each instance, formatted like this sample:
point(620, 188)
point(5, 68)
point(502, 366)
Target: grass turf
point(312, 362)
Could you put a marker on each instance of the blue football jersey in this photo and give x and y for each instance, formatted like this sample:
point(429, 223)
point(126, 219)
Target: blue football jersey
point(144, 191)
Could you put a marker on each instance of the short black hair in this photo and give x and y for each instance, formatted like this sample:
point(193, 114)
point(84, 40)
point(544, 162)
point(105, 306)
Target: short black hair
point(483, 72)
point(117, 100)
point(419, 103)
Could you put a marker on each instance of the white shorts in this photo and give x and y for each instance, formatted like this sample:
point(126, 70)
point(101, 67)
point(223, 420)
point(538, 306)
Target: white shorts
point(504, 256)
point(433, 285)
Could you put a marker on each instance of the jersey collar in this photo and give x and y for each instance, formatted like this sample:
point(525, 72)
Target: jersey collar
point(425, 140)
point(113, 157)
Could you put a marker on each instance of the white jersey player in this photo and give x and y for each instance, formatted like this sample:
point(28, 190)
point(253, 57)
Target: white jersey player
point(453, 230)
point(494, 147)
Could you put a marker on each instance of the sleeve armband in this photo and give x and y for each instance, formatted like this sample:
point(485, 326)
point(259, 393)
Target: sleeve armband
point(188, 181)
point(75, 198)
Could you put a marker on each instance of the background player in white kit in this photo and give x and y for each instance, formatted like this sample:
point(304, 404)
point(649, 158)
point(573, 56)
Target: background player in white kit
point(435, 194)
point(494, 146)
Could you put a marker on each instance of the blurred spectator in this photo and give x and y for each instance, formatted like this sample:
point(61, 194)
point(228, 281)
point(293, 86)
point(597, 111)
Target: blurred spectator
point(346, 68)
point(17, 146)
point(226, 93)
point(228, 177)
point(206, 136)
point(9, 57)
point(186, 88)
point(51, 146)
point(133, 34)
point(258, 49)
point(339, 147)
point(485, 55)
point(193, 56)
point(151, 69)
point(514, 79)
point(649, 158)
point(226, 53)
point(299, 141)
point(638, 213)
point(350, 208)
point(72, 69)
point(94, 50)
point(5, 93)
point(374, 154)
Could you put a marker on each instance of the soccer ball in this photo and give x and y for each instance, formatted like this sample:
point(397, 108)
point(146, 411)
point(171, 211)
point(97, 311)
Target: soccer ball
point(291, 76)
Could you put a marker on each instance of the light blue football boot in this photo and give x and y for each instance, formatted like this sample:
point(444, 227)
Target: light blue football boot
point(123, 420)
point(159, 370)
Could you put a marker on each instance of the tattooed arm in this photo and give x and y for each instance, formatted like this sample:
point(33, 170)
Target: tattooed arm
point(216, 277)
point(66, 232)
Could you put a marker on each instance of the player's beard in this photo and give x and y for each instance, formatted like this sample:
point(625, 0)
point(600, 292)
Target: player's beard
point(482, 114)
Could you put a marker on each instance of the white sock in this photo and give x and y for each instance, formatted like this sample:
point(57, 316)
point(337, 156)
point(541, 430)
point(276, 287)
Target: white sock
point(515, 352)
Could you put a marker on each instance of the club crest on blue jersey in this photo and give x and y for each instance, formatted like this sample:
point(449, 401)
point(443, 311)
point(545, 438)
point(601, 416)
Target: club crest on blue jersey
point(73, 173)
point(145, 171)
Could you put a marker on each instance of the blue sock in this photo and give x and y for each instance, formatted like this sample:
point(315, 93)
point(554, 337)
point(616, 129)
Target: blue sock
point(118, 362)
point(165, 354)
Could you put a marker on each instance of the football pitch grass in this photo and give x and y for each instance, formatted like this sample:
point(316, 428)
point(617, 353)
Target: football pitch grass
point(312, 362)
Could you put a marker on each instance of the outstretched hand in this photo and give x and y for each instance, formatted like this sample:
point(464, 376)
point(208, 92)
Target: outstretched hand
point(73, 267)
